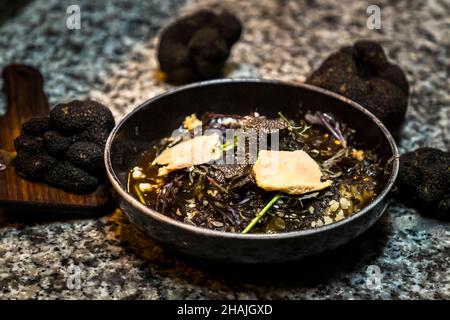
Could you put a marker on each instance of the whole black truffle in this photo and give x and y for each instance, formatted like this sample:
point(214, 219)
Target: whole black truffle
point(35, 126)
point(76, 116)
point(87, 156)
point(424, 180)
point(229, 26)
point(210, 51)
point(363, 73)
point(70, 178)
point(33, 166)
point(94, 133)
point(72, 138)
point(29, 144)
point(197, 46)
point(55, 142)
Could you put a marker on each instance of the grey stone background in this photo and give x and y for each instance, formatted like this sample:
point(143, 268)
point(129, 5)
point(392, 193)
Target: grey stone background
point(112, 59)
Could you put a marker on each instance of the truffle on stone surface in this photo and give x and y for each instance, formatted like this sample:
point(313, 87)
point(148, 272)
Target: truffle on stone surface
point(363, 73)
point(197, 46)
point(424, 180)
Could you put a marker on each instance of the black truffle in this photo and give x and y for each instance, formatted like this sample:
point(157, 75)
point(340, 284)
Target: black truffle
point(33, 166)
point(94, 133)
point(424, 180)
point(29, 144)
point(197, 46)
point(70, 178)
point(72, 138)
point(35, 126)
point(210, 51)
point(75, 116)
point(363, 73)
point(229, 26)
point(55, 142)
point(87, 156)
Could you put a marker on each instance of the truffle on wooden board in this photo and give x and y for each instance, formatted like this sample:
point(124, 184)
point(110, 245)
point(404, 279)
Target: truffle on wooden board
point(36, 126)
point(55, 142)
point(29, 144)
point(76, 116)
point(33, 166)
point(65, 149)
point(87, 156)
point(68, 177)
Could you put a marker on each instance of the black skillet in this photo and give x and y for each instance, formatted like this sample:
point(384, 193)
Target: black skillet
point(159, 116)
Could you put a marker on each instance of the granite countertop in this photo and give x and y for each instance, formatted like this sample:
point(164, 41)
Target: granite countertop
point(112, 59)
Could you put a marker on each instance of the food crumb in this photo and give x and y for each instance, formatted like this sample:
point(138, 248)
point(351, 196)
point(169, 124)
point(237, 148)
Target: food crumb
point(358, 154)
point(212, 192)
point(145, 187)
point(327, 220)
point(339, 215)
point(191, 122)
point(217, 224)
point(137, 173)
point(344, 203)
point(334, 205)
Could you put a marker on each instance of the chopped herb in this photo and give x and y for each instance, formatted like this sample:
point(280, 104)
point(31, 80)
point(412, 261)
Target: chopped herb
point(290, 125)
point(329, 122)
point(139, 194)
point(261, 213)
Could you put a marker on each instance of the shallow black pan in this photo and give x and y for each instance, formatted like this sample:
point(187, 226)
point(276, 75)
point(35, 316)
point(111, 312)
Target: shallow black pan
point(159, 116)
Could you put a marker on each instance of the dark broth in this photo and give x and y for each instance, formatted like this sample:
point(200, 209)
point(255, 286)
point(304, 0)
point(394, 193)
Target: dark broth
point(201, 195)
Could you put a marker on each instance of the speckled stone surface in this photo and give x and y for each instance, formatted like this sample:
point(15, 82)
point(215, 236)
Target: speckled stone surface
point(112, 59)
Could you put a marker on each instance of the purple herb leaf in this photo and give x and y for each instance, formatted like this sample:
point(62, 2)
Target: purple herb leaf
point(329, 122)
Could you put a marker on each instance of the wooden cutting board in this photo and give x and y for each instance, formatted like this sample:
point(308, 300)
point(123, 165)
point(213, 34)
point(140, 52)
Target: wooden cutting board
point(23, 89)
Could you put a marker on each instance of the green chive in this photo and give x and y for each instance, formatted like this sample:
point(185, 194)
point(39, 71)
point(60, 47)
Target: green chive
point(261, 213)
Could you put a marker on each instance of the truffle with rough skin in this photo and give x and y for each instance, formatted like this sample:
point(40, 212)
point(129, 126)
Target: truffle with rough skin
point(36, 126)
point(197, 46)
point(70, 178)
point(424, 180)
point(75, 116)
point(33, 166)
point(66, 148)
point(94, 133)
point(55, 142)
point(87, 156)
point(363, 73)
point(29, 144)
